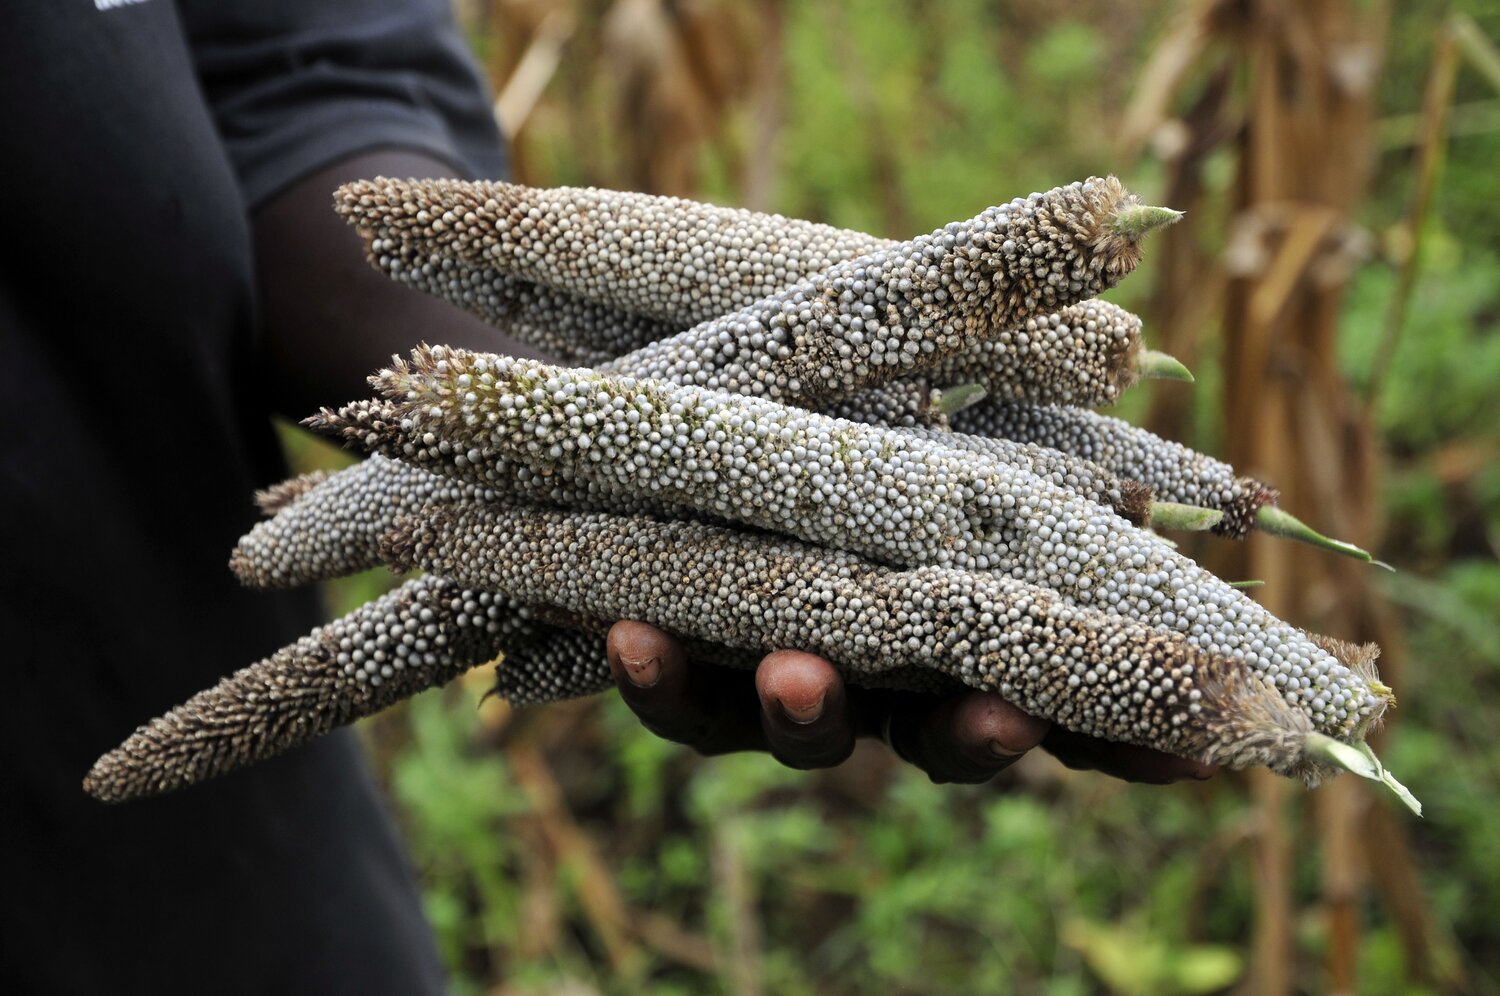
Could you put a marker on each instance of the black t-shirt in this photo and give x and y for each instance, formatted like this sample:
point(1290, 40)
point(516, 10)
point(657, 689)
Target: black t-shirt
point(135, 136)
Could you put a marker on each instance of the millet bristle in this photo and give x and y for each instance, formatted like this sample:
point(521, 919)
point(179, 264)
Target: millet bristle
point(423, 634)
point(271, 500)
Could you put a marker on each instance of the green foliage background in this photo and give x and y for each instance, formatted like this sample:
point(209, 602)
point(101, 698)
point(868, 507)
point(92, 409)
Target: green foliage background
point(870, 879)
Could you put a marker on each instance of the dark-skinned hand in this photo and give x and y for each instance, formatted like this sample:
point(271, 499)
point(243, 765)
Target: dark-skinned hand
point(796, 707)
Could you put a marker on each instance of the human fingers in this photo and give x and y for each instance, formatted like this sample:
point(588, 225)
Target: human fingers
point(1123, 761)
point(713, 710)
point(967, 738)
point(804, 710)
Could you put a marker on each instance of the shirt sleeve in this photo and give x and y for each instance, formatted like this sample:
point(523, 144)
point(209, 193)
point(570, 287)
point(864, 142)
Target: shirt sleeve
point(296, 85)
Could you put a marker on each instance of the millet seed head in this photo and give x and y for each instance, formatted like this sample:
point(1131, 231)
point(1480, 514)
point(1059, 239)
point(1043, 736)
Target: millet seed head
point(902, 310)
point(1094, 673)
point(1173, 472)
point(874, 491)
point(424, 633)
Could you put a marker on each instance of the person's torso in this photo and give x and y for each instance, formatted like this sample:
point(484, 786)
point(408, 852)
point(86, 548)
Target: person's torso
point(131, 446)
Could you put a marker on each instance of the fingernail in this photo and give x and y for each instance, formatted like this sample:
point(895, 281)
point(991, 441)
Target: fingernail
point(1001, 751)
point(643, 672)
point(807, 714)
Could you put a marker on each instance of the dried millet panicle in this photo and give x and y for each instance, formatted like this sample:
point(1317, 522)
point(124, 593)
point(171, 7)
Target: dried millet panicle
point(676, 260)
point(1095, 674)
point(1130, 499)
point(743, 459)
point(1086, 354)
point(278, 496)
point(330, 529)
point(640, 257)
point(904, 309)
point(270, 558)
point(677, 444)
point(964, 282)
point(569, 664)
point(773, 593)
point(422, 634)
point(1173, 471)
point(1083, 355)
point(326, 525)
point(873, 491)
point(906, 403)
point(568, 327)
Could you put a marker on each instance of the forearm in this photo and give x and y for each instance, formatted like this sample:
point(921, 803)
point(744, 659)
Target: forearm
point(329, 318)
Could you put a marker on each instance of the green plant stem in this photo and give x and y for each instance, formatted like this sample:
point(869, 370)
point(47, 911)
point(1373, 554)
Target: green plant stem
point(1278, 522)
point(1153, 364)
point(1183, 518)
point(956, 399)
point(1361, 760)
point(1136, 220)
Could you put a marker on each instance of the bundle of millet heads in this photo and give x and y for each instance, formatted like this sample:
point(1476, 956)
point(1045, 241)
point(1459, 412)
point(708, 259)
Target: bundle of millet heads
point(768, 437)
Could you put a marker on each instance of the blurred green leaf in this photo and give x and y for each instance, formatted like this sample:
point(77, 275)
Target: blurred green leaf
point(1132, 961)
